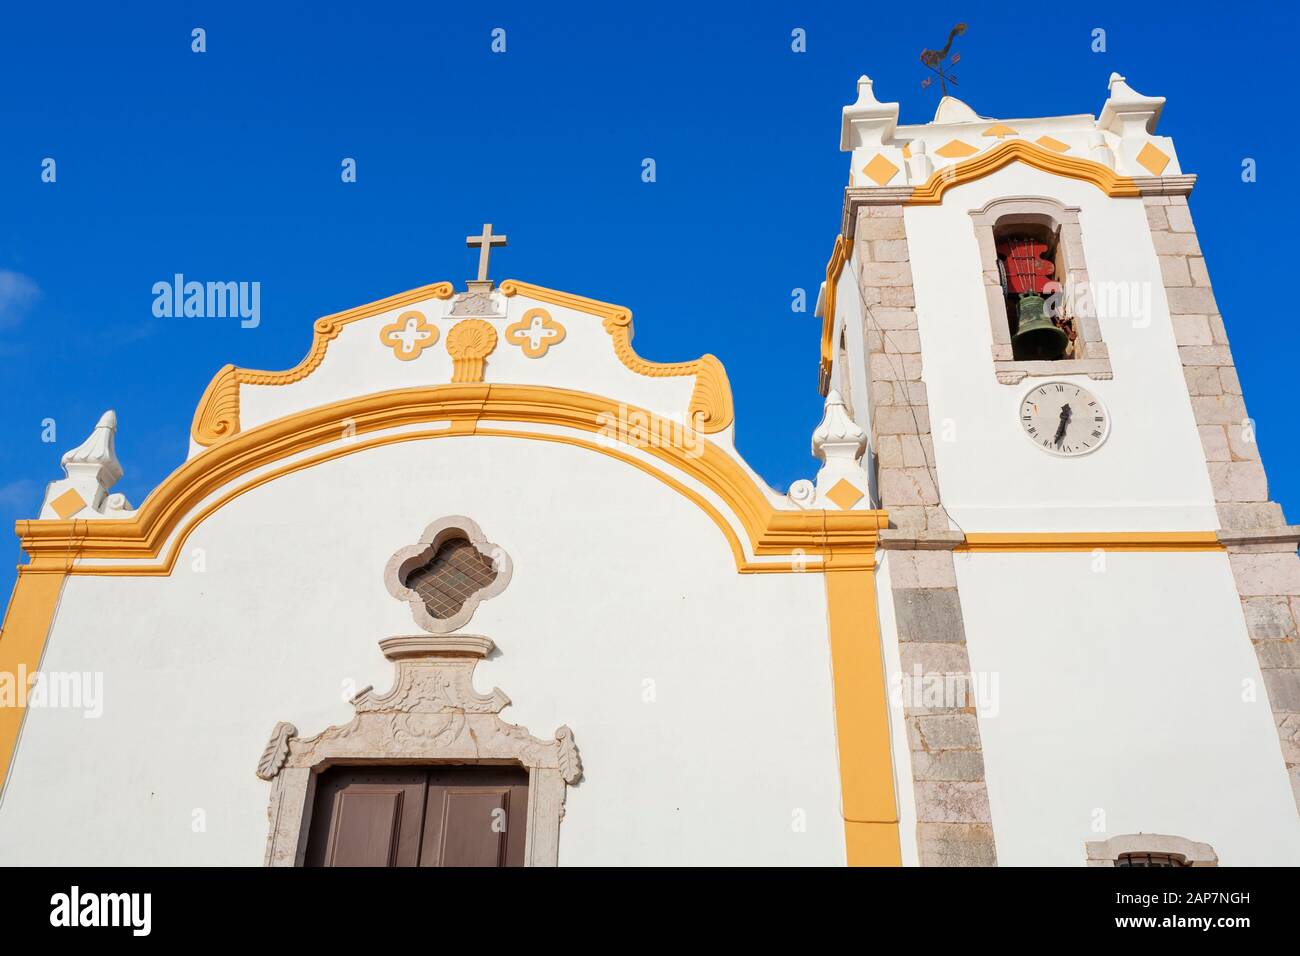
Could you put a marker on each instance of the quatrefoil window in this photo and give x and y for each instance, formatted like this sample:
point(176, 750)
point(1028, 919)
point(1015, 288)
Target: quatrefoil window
point(447, 574)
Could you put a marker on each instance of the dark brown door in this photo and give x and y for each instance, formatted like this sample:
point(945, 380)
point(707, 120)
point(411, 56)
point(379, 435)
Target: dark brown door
point(475, 816)
point(434, 816)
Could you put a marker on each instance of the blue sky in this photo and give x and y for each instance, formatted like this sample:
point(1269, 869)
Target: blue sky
point(225, 165)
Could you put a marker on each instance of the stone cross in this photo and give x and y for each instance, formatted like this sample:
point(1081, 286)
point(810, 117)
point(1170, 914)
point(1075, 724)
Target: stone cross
point(485, 242)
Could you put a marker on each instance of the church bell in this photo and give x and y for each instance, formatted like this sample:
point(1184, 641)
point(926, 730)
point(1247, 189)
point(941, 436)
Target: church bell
point(1037, 336)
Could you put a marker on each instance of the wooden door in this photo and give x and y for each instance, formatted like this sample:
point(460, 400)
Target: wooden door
point(431, 816)
point(475, 816)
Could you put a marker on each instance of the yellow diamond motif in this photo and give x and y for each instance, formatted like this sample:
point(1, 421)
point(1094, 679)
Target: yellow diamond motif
point(880, 170)
point(907, 151)
point(1152, 159)
point(68, 503)
point(956, 149)
point(999, 130)
point(845, 494)
point(1055, 145)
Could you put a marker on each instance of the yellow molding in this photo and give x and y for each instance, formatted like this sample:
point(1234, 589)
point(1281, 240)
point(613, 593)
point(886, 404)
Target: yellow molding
point(1018, 150)
point(839, 256)
point(711, 405)
point(968, 170)
point(26, 626)
point(978, 542)
point(869, 806)
point(217, 415)
point(841, 538)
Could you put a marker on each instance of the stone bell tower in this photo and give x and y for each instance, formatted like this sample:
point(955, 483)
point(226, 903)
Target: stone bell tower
point(1008, 470)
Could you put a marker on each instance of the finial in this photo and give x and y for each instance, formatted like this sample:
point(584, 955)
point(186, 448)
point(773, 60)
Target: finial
point(96, 456)
point(1127, 112)
point(867, 122)
point(838, 435)
point(839, 443)
point(866, 95)
point(89, 471)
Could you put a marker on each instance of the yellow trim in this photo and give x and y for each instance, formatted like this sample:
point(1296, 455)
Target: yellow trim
point(862, 719)
point(839, 256)
point(1092, 541)
point(849, 535)
point(710, 406)
point(217, 416)
point(22, 642)
point(968, 170)
point(388, 335)
point(1018, 150)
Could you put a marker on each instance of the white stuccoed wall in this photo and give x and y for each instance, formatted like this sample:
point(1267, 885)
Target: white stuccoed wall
point(1150, 474)
point(1123, 691)
point(617, 579)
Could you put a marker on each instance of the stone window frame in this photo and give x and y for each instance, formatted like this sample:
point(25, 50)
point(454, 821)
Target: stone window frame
point(431, 717)
point(1064, 221)
point(1108, 852)
point(405, 560)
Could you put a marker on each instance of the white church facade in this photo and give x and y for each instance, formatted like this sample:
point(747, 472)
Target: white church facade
point(476, 584)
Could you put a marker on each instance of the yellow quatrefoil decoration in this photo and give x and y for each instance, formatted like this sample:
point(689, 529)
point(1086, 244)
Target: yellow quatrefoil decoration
point(409, 335)
point(535, 333)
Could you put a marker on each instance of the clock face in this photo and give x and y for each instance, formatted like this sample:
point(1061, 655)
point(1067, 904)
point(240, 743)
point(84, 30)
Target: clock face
point(1063, 419)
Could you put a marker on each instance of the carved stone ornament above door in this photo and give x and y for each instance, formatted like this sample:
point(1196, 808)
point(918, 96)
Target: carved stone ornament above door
point(433, 715)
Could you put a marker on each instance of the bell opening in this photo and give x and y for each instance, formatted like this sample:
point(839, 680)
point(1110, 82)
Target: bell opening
point(1037, 337)
point(1029, 265)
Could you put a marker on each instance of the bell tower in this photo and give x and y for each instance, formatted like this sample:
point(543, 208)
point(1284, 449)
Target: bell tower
point(1018, 314)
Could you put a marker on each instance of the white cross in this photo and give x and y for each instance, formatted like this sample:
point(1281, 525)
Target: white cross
point(485, 243)
point(536, 333)
point(410, 334)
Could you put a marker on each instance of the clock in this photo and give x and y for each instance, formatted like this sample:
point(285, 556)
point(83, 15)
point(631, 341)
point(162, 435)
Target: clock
point(1064, 419)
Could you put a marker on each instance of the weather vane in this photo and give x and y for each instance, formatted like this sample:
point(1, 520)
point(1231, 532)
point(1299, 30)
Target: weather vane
point(934, 60)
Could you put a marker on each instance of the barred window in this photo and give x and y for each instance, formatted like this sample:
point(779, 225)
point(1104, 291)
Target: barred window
point(1149, 850)
point(456, 572)
point(1151, 859)
point(446, 575)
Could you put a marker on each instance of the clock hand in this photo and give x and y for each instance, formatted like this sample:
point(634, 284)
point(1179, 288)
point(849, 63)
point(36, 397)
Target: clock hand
point(1065, 420)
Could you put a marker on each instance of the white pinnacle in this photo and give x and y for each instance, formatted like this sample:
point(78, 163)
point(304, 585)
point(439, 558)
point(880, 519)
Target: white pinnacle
point(96, 457)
